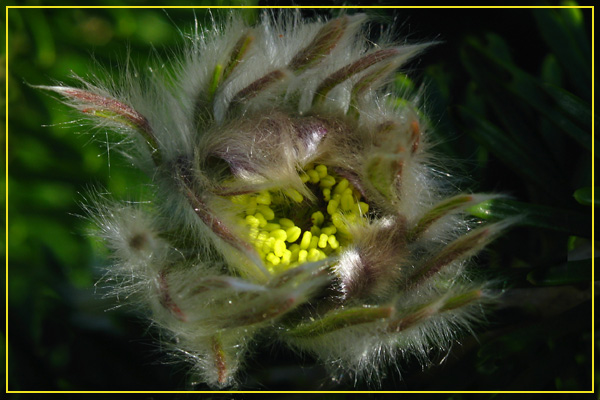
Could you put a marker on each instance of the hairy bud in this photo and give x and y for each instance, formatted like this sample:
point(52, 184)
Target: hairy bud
point(291, 197)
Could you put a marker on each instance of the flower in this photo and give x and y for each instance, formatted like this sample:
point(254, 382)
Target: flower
point(292, 196)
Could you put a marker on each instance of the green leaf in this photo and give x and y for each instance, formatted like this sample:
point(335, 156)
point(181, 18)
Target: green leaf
point(574, 22)
point(519, 123)
point(324, 42)
point(564, 43)
point(110, 109)
point(404, 85)
point(363, 63)
point(565, 110)
point(551, 71)
point(567, 113)
point(534, 215)
point(571, 105)
point(461, 299)
point(461, 248)
point(339, 320)
point(440, 210)
point(570, 273)
point(584, 196)
point(44, 39)
point(509, 152)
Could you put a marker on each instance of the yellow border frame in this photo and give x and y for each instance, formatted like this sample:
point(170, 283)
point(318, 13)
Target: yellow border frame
point(7, 8)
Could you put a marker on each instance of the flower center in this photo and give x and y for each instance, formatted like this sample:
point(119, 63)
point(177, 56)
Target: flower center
point(288, 233)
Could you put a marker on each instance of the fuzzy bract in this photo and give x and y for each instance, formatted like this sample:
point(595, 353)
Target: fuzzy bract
point(292, 196)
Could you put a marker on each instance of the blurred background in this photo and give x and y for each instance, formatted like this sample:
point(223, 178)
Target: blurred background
point(508, 99)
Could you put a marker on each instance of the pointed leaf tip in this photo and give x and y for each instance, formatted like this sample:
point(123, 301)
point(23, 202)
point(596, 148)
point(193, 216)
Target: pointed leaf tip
point(110, 109)
point(324, 42)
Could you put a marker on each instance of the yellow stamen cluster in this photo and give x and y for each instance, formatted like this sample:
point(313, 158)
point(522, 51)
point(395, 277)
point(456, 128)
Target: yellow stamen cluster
point(280, 241)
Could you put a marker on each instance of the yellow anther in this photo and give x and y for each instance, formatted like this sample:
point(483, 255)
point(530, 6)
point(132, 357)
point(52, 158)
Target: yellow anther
point(279, 234)
point(327, 182)
point(278, 241)
point(286, 257)
point(253, 233)
point(266, 212)
point(293, 233)
point(260, 239)
point(343, 185)
point(329, 230)
point(262, 222)
point(295, 195)
point(306, 238)
point(304, 177)
point(240, 199)
point(363, 207)
point(347, 201)
point(273, 259)
point(333, 242)
point(339, 222)
point(252, 221)
point(268, 244)
point(302, 255)
point(279, 247)
point(317, 218)
point(264, 198)
point(286, 223)
point(271, 226)
point(322, 170)
point(332, 207)
point(313, 175)
point(313, 255)
point(323, 241)
point(294, 249)
point(251, 206)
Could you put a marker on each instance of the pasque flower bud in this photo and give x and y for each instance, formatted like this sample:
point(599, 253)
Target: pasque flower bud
point(291, 196)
